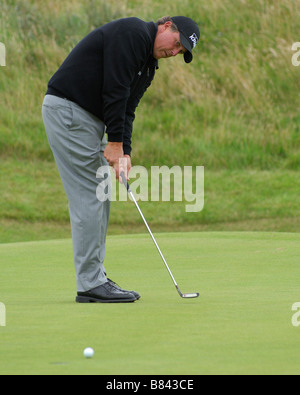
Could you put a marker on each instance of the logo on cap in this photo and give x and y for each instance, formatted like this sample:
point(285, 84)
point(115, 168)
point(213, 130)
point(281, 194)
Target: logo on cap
point(194, 39)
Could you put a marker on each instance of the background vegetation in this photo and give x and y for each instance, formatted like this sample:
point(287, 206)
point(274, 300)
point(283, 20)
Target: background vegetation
point(234, 110)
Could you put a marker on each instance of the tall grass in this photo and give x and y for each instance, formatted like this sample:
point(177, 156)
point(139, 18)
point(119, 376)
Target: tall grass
point(235, 106)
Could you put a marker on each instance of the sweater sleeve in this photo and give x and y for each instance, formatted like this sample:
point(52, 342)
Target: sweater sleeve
point(132, 104)
point(122, 54)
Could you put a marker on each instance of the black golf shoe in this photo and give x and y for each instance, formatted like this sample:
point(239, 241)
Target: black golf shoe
point(105, 293)
point(134, 293)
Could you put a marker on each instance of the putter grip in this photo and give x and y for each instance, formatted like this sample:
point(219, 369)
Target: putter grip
point(125, 181)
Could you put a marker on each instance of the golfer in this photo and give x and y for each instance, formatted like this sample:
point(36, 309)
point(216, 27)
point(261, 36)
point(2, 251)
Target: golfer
point(96, 92)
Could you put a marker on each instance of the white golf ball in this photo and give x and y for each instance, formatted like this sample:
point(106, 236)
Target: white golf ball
point(89, 353)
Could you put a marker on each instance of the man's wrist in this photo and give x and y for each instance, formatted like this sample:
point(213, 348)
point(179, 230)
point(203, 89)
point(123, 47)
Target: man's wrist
point(115, 143)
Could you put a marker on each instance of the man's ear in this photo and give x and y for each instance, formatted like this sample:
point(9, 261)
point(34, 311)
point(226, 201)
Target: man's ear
point(167, 25)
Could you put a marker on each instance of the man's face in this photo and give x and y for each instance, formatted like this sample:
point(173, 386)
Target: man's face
point(167, 42)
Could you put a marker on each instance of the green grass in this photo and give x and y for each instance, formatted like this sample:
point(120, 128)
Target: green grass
point(241, 324)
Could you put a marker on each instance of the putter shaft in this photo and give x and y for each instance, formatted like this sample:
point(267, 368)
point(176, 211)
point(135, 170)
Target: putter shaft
point(190, 295)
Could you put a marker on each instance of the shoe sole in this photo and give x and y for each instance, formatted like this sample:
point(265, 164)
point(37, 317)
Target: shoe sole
point(88, 299)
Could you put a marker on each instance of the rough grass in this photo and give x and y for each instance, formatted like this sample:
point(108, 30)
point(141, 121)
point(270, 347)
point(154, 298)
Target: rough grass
point(234, 110)
point(236, 106)
point(34, 205)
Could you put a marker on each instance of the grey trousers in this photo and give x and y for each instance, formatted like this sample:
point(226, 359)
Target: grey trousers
point(77, 139)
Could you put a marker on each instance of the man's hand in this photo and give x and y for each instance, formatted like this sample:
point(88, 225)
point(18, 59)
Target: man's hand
point(115, 157)
point(127, 166)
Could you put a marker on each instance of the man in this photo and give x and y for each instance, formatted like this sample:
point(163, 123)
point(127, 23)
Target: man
point(96, 91)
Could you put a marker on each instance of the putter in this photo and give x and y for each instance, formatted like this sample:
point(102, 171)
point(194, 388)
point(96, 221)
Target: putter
point(186, 295)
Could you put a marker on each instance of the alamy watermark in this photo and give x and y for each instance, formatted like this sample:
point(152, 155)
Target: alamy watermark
point(2, 55)
point(157, 184)
point(2, 314)
point(296, 316)
point(296, 56)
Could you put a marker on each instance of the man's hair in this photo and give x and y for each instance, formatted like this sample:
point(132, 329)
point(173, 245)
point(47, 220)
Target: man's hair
point(166, 19)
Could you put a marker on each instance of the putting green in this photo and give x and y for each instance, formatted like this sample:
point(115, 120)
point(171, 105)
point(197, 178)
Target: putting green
point(241, 324)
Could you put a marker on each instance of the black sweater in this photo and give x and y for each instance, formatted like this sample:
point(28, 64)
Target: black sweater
point(108, 72)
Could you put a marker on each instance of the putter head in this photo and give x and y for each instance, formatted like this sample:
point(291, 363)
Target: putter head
point(187, 296)
point(190, 296)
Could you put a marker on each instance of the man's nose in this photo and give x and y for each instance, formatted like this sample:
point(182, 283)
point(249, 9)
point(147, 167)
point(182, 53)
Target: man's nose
point(175, 52)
